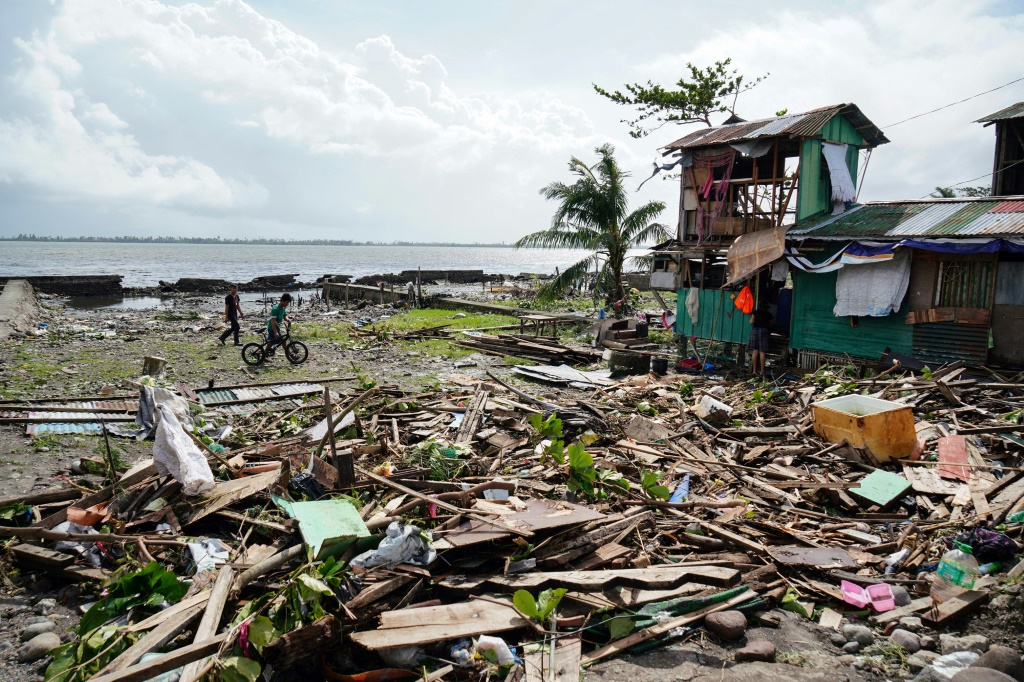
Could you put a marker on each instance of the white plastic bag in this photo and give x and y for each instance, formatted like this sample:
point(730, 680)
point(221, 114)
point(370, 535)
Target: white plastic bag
point(404, 544)
point(174, 453)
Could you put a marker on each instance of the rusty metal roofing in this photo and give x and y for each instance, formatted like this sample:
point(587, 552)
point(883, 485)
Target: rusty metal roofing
point(791, 125)
point(1012, 111)
point(989, 216)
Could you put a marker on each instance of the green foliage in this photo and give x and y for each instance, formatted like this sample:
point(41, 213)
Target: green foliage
point(14, 512)
point(539, 609)
point(582, 473)
point(649, 481)
point(81, 659)
point(645, 408)
point(149, 587)
point(445, 464)
point(593, 215)
point(686, 389)
point(550, 428)
point(953, 192)
point(706, 92)
point(302, 601)
point(926, 373)
point(365, 382)
point(239, 669)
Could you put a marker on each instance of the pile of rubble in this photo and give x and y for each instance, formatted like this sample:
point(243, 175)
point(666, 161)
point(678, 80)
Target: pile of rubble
point(482, 532)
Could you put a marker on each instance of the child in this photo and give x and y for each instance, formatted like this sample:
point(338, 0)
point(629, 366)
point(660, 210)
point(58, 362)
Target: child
point(278, 314)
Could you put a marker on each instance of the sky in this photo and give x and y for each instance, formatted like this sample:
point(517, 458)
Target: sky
point(441, 121)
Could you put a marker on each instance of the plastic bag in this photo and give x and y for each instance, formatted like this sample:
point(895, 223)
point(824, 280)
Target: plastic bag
point(174, 453)
point(403, 545)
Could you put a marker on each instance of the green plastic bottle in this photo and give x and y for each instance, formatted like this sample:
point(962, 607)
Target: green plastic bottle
point(957, 571)
point(1016, 517)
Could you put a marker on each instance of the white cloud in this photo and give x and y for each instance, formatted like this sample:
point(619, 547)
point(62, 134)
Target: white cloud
point(894, 60)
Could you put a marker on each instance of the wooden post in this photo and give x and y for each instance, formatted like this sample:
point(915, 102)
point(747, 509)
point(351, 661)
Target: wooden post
point(382, 293)
point(153, 366)
point(346, 295)
point(344, 465)
point(392, 293)
point(419, 287)
point(110, 456)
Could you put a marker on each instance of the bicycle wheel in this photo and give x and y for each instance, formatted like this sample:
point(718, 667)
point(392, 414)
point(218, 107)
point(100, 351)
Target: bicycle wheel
point(296, 352)
point(252, 354)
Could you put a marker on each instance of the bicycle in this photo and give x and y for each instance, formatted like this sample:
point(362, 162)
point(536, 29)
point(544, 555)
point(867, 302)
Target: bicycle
point(256, 353)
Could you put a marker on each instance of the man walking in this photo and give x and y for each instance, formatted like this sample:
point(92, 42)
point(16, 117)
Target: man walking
point(232, 313)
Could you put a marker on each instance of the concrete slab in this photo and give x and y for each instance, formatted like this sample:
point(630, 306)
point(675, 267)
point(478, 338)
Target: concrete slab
point(19, 311)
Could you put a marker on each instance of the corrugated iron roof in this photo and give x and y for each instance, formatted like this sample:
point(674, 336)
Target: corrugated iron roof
point(61, 428)
point(989, 216)
point(793, 125)
point(1012, 111)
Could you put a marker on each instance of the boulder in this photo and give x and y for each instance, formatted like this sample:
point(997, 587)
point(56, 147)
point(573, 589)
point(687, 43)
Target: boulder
point(980, 675)
point(858, 633)
point(912, 623)
point(950, 644)
point(39, 628)
point(851, 647)
point(906, 639)
point(38, 646)
point(756, 650)
point(900, 594)
point(922, 659)
point(729, 625)
point(1004, 659)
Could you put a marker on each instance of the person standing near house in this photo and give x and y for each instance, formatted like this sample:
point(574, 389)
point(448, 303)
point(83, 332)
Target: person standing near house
point(232, 313)
point(760, 335)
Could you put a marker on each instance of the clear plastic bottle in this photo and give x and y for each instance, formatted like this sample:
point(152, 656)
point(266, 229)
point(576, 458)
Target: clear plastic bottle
point(957, 571)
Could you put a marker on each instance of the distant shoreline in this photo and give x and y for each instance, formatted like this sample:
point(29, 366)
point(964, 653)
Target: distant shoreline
point(242, 242)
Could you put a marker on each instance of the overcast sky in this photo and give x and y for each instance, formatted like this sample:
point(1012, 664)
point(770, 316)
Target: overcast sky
point(440, 120)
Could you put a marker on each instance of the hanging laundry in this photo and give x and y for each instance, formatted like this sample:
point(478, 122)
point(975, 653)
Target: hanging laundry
point(843, 189)
point(693, 304)
point(780, 270)
point(875, 289)
point(745, 301)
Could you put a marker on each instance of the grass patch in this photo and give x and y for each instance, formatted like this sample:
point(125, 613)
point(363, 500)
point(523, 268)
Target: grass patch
point(174, 316)
point(795, 658)
point(49, 440)
point(509, 360)
point(435, 317)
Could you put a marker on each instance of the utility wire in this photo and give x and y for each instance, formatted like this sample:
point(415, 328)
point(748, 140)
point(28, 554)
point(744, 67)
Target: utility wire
point(946, 106)
point(985, 175)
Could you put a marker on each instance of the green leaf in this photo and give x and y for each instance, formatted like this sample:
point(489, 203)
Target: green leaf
point(262, 633)
point(239, 669)
point(579, 458)
point(619, 627)
point(548, 602)
point(557, 451)
point(525, 603)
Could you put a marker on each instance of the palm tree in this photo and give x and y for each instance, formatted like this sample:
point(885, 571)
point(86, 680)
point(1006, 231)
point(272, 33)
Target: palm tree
point(592, 215)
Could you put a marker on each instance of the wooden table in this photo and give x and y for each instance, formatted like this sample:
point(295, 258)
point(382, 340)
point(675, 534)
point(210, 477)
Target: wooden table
point(537, 322)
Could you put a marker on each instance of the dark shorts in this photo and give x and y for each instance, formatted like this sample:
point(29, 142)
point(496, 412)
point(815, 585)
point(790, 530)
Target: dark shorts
point(759, 339)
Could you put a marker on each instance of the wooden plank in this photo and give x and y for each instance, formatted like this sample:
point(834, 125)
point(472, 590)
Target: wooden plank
point(375, 591)
point(229, 492)
point(817, 557)
point(566, 668)
point(437, 623)
point(663, 576)
point(212, 614)
point(41, 557)
point(830, 620)
point(169, 661)
point(733, 538)
point(951, 609)
point(952, 455)
point(916, 606)
point(156, 638)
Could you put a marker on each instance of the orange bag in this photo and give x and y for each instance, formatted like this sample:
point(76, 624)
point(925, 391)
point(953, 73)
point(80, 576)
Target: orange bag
point(745, 301)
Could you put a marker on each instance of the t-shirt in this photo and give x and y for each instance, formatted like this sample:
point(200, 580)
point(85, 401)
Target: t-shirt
point(277, 312)
point(762, 319)
point(232, 305)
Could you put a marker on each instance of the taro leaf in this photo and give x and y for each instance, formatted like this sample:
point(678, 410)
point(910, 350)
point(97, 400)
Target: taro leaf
point(557, 451)
point(526, 605)
point(548, 602)
point(262, 633)
point(239, 669)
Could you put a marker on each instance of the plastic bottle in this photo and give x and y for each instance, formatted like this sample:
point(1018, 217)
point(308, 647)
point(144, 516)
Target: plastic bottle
point(990, 567)
point(957, 571)
point(1016, 517)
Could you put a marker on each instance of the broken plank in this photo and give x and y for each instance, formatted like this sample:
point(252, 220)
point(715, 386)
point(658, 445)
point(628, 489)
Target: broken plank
point(165, 663)
point(916, 606)
point(961, 605)
point(663, 576)
point(440, 623)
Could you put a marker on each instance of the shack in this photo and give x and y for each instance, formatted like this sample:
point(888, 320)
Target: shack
point(742, 184)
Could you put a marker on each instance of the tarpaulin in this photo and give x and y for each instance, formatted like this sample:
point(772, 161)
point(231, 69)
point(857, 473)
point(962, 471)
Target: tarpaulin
point(866, 252)
point(873, 290)
point(754, 250)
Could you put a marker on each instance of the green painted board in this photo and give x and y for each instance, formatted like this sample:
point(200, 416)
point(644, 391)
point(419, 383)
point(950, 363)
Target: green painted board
point(718, 315)
point(881, 488)
point(328, 527)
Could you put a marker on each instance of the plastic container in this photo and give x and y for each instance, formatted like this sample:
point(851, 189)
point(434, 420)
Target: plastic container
point(659, 366)
point(957, 571)
point(1016, 517)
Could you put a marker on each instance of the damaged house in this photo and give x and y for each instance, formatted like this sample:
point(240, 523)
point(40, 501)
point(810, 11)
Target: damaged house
point(933, 280)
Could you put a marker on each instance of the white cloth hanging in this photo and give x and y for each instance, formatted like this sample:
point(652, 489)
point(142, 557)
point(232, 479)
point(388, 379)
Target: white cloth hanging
point(693, 304)
point(875, 289)
point(843, 189)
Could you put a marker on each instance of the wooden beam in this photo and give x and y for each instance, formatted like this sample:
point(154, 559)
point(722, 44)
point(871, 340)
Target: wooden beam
point(211, 616)
point(167, 662)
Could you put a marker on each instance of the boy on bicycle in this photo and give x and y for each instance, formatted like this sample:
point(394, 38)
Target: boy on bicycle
point(278, 315)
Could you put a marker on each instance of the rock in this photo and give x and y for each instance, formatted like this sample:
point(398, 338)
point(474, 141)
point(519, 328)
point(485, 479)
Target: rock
point(729, 625)
point(944, 667)
point(846, 659)
point(922, 659)
point(858, 633)
point(36, 648)
point(32, 620)
point(951, 644)
point(837, 639)
point(912, 623)
point(1001, 602)
point(928, 642)
point(980, 675)
point(1004, 659)
point(34, 629)
point(45, 606)
point(851, 647)
point(756, 650)
point(906, 639)
point(900, 594)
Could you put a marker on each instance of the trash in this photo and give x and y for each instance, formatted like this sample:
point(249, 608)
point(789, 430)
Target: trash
point(501, 651)
point(174, 453)
point(404, 544)
point(884, 427)
point(956, 572)
point(879, 596)
point(208, 554)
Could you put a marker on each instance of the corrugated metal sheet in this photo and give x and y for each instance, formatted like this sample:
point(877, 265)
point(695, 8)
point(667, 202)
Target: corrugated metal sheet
point(717, 316)
point(796, 125)
point(1012, 111)
point(256, 393)
point(215, 395)
point(62, 428)
point(940, 342)
point(925, 218)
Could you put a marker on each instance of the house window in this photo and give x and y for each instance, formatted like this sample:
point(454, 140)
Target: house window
point(965, 284)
